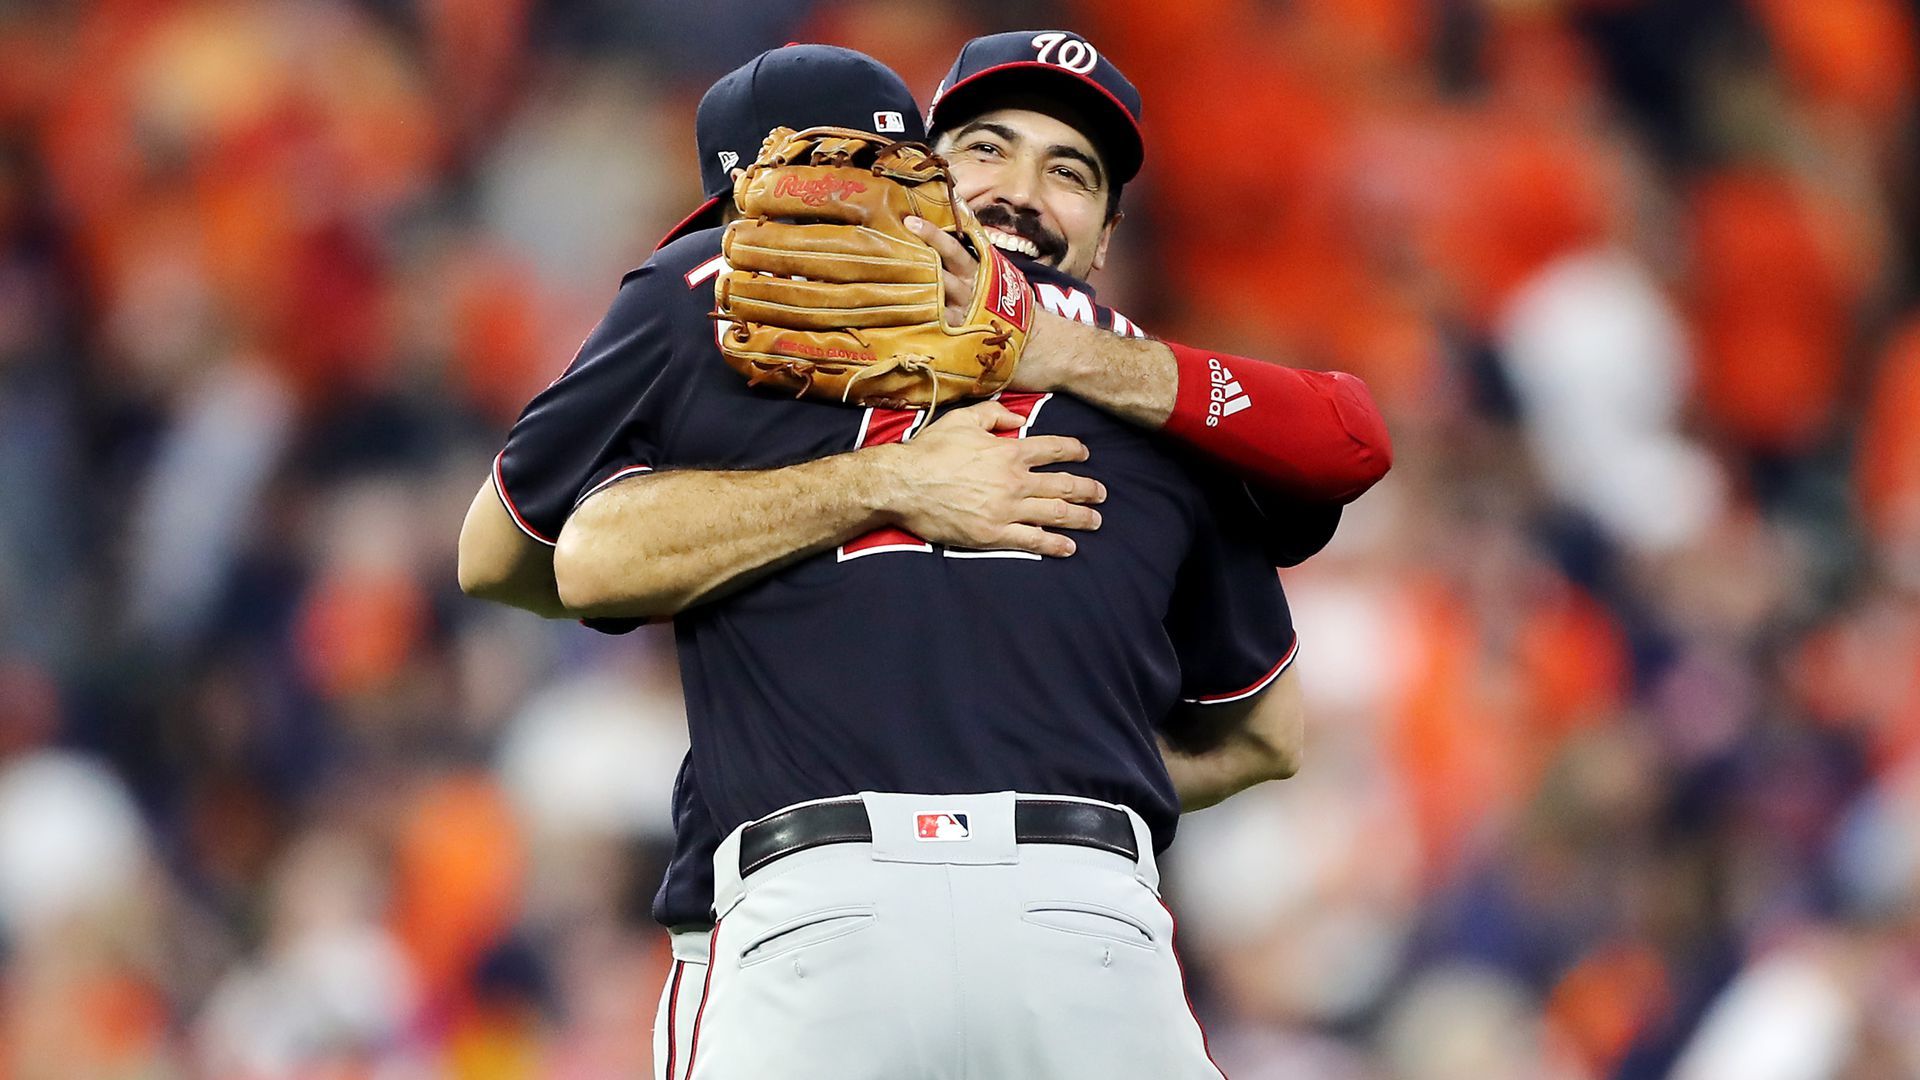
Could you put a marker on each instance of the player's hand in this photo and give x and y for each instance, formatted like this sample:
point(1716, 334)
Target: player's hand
point(957, 265)
point(960, 484)
point(1044, 364)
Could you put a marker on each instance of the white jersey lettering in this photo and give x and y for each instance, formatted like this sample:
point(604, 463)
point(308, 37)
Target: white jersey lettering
point(1068, 304)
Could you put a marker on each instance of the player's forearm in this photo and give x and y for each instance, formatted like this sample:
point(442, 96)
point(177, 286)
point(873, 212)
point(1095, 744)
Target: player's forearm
point(657, 544)
point(1204, 778)
point(1225, 749)
point(498, 562)
point(1134, 379)
point(1312, 434)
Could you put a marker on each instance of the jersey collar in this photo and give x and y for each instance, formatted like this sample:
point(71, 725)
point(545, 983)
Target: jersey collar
point(1038, 272)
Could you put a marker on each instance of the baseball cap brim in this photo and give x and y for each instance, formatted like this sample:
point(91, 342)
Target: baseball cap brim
point(1118, 134)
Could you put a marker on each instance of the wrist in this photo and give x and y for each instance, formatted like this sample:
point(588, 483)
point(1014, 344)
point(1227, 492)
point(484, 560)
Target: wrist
point(881, 483)
point(1051, 362)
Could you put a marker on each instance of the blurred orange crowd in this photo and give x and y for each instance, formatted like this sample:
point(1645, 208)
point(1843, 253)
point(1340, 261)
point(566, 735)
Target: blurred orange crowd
point(1614, 765)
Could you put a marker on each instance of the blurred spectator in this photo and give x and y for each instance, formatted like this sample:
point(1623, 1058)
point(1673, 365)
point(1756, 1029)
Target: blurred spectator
point(1599, 362)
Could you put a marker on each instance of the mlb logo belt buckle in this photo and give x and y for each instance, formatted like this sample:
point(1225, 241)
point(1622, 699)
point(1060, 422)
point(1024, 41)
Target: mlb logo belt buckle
point(938, 826)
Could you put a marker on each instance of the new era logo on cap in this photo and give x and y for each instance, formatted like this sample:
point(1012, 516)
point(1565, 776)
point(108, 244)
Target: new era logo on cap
point(728, 159)
point(940, 825)
point(891, 123)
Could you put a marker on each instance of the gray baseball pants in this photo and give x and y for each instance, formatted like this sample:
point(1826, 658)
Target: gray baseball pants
point(944, 957)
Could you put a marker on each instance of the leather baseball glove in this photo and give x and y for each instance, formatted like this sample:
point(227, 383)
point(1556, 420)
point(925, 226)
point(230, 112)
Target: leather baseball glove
point(830, 296)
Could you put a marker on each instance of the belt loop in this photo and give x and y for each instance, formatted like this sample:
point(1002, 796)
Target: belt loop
point(727, 889)
point(1146, 868)
point(691, 944)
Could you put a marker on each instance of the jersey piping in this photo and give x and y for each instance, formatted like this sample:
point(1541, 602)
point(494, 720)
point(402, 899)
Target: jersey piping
point(1286, 661)
point(506, 500)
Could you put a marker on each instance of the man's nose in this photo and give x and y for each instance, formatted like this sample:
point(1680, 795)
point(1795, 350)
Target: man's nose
point(1017, 186)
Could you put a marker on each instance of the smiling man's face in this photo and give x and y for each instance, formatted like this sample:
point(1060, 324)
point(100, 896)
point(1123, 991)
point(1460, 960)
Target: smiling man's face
point(1036, 183)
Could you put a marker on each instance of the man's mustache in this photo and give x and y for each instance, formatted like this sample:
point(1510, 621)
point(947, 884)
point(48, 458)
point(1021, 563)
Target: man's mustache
point(1026, 225)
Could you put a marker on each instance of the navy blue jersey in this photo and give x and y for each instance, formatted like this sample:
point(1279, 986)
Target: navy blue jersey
point(977, 671)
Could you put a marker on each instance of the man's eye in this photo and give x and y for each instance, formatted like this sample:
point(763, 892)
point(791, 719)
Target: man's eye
point(984, 148)
point(1072, 177)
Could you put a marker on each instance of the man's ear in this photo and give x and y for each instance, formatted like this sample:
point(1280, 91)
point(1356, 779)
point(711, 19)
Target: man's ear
point(1106, 237)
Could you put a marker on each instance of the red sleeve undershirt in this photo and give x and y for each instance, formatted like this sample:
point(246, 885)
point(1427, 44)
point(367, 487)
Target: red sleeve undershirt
point(1316, 434)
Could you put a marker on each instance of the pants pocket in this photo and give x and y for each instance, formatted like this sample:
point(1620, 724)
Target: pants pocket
point(1091, 920)
point(805, 931)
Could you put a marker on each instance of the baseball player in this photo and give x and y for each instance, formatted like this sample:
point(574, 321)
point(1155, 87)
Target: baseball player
point(1007, 703)
point(1061, 294)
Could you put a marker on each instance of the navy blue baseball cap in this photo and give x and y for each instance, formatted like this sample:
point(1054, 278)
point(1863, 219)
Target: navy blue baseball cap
point(797, 86)
point(1055, 65)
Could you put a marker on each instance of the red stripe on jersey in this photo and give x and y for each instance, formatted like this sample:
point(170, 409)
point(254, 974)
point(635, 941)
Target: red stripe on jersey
point(1026, 405)
point(506, 500)
point(1022, 403)
point(878, 428)
point(1286, 661)
point(881, 426)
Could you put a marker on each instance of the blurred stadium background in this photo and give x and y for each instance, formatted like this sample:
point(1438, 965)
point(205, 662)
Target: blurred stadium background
point(1615, 744)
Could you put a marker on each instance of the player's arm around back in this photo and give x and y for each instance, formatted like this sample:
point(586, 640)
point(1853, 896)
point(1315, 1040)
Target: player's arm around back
point(658, 543)
point(1225, 749)
point(1307, 434)
point(498, 562)
point(1311, 434)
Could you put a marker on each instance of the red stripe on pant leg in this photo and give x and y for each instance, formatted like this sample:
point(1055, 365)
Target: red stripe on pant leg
point(1182, 969)
point(673, 1007)
point(706, 987)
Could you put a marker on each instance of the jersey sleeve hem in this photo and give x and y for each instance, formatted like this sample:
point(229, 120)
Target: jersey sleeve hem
point(1285, 662)
point(506, 500)
point(613, 478)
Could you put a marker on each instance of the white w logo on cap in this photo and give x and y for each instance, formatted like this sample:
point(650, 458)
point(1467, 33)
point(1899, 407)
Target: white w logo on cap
point(1073, 54)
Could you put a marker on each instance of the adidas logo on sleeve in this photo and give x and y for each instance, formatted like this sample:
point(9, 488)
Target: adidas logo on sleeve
point(1226, 396)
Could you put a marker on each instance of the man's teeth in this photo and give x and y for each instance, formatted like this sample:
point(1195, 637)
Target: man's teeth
point(1019, 245)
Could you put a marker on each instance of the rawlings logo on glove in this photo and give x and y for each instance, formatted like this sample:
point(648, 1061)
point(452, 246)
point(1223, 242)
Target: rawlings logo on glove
point(816, 191)
point(829, 294)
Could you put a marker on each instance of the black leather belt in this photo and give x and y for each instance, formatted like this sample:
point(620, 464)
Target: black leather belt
point(844, 821)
